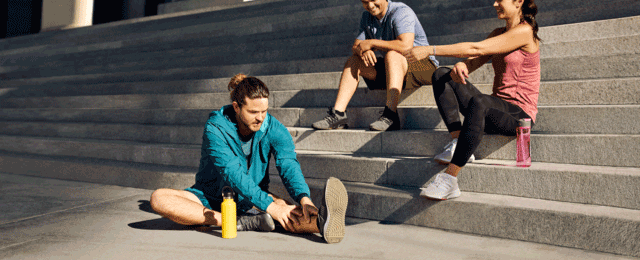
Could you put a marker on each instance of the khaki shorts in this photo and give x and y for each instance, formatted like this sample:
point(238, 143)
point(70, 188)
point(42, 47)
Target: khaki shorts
point(418, 74)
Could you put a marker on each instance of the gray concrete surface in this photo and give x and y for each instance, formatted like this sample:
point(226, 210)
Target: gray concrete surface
point(53, 219)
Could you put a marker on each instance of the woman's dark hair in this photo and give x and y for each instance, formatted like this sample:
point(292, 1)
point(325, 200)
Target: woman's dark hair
point(529, 11)
point(242, 86)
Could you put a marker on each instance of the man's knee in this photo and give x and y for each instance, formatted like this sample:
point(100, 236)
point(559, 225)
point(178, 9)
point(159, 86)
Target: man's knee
point(354, 62)
point(395, 57)
point(157, 198)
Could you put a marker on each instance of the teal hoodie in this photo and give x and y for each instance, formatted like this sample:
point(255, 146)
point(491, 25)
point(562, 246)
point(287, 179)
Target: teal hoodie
point(223, 162)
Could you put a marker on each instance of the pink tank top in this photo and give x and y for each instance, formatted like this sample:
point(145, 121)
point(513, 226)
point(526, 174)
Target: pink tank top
point(517, 79)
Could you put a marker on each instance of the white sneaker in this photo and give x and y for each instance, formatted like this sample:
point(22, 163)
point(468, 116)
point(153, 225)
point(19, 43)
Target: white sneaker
point(445, 157)
point(443, 187)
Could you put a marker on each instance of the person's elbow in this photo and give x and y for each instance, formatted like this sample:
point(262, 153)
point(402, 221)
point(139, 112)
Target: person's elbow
point(405, 47)
point(475, 51)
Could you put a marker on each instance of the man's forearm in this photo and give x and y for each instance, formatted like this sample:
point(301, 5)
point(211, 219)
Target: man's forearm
point(395, 45)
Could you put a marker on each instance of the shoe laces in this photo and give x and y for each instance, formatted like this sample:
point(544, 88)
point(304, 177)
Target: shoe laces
point(249, 222)
point(331, 117)
point(385, 119)
point(440, 182)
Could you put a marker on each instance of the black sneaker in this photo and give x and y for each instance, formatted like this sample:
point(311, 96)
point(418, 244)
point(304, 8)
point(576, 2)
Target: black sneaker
point(332, 211)
point(260, 222)
point(388, 121)
point(332, 121)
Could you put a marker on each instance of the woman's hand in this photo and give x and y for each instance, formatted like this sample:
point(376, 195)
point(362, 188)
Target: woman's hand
point(417, 53)
point(460, 73)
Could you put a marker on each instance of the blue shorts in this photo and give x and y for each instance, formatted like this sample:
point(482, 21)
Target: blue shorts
point(207, 203)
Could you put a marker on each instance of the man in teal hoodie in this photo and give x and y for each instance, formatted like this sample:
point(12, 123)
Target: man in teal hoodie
point(238, 142)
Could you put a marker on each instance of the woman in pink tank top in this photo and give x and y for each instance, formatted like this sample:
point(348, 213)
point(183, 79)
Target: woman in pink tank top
point(514, 52)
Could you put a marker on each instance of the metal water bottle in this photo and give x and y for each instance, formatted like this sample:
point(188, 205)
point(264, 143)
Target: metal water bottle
point(523, 143)
point(228, 209)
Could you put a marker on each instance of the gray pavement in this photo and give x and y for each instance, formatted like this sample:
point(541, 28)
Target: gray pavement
point(43, 218)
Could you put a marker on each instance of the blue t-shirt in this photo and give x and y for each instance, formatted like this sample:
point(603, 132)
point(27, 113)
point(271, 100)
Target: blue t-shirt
point(246, 148)
point(399, 19)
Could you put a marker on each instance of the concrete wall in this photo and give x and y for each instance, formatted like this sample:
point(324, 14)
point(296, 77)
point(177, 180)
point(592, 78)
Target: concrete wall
point(66, 14)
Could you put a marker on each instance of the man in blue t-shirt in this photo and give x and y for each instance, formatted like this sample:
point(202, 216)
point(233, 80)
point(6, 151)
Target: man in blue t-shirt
point(387, 28)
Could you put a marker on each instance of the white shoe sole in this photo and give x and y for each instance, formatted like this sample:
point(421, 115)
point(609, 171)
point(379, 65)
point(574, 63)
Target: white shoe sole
point(336, 199)
point(452, 195)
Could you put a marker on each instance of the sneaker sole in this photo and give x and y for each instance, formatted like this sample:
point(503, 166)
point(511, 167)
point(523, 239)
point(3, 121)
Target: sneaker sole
point(450, 196)
point(443, 162)
point(384, 130)
point(335, 128)
point(336, 199)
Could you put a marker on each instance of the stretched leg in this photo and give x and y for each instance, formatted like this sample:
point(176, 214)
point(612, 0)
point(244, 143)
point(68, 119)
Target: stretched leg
point(183, 207)
point(353, 69)
point(396, 68)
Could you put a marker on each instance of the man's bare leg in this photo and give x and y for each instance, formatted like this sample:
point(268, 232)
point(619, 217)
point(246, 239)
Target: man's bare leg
point(353, 69)
point(183, 207)
point(396, 69)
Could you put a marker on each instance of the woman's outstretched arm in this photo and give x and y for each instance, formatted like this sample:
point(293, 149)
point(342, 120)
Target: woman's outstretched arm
point(496, 43)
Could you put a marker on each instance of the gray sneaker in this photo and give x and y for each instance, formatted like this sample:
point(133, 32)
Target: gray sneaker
point(332, 211)
point(332, 121)
point(260, 222)
point(388, 121)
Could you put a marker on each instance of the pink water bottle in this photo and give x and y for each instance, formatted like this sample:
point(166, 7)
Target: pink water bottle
point(523, 143)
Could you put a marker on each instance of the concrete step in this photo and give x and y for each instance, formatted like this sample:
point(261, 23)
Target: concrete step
point(484, 18)
point(292, 91)
point(287, 16)
point(614, 186)
point(551, 119)
point(164, 36)
point(123, 30)
point(144, 58)
point(202, 5)
point(584, 149)
point(572, 68)
point(558, 223)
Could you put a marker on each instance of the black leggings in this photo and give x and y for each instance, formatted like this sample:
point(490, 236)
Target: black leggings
point(482, 113)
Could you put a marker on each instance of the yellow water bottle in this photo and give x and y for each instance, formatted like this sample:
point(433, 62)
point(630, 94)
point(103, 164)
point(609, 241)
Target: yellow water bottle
point(228, 208)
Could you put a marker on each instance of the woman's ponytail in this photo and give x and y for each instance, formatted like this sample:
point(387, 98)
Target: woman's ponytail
point(529, 11)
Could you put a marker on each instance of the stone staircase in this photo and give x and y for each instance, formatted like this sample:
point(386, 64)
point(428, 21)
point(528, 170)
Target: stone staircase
point(124, 103)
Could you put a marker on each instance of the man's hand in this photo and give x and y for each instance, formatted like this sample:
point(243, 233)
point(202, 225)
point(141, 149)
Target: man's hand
point(369, 58)
point(308, 209)
point(459, 73)
point(364, 46)
point(286, 215)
